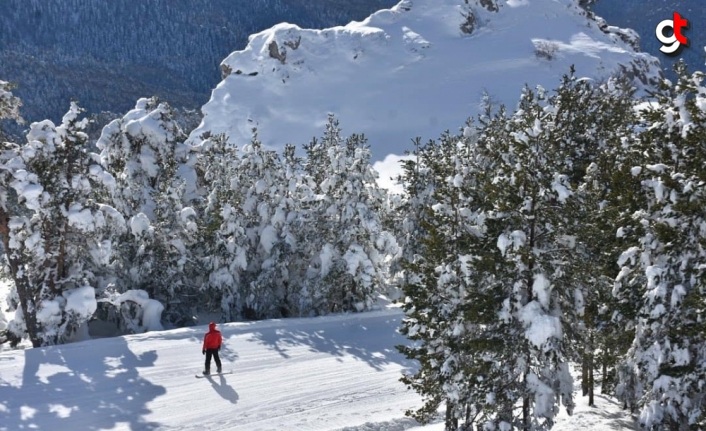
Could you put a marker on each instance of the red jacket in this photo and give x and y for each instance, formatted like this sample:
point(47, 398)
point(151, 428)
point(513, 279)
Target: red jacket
point(212, 339)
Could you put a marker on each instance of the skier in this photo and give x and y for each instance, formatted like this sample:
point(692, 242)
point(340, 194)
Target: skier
point(211, 345)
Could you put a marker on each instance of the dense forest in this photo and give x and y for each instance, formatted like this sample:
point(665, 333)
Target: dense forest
point(569, 231)
point(106, 55)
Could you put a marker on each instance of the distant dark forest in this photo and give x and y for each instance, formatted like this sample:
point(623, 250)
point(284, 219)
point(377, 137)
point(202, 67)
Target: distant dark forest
point(643, 17)
point(107, 54)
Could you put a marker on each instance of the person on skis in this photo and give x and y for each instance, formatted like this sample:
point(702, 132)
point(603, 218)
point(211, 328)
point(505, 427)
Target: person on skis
point(211, 345)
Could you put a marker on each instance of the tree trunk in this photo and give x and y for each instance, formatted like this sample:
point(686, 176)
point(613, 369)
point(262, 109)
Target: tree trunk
point(526, 423)
point(590, 369)
point(584, 372)
point(451, 422)
point(587, 369)
point(24, 291)
point(604, 372)
point(590, 386)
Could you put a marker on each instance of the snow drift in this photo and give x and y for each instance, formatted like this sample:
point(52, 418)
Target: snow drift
point(414, 70)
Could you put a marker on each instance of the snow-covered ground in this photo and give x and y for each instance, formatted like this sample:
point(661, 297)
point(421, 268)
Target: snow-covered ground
point(328, 373)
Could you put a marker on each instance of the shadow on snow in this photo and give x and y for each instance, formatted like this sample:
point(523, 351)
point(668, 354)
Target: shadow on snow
point(370, 337)
point(618, 420)
point(90, 386)
point(223, 389)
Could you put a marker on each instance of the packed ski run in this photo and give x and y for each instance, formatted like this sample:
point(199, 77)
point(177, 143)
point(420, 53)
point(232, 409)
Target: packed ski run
point(314, 374)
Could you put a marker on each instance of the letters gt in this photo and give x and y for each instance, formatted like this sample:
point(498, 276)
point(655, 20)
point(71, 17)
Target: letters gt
point(670, 44)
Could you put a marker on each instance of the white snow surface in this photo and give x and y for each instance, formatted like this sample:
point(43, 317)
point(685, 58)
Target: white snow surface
point(326, 373)
point(405, 72)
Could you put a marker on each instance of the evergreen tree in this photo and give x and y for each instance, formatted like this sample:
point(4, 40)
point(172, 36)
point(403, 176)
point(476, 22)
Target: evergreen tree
point(58, 245)
point(665, 367)
point(350, 261)
point(9, 111)
point(288, 261)
point(595, 123)
point(265, 210)
point(9, 104)
point(493, 308)
point(446, 314)
point(528, 192)
point(146, 154)
point(222, 232)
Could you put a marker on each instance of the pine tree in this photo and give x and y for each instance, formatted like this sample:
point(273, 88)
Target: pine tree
point(446, 315)
point(58, 245)
point(287, 264)
point(222, 232)
point(493, 293)
point(9, 104)
point(594, 122)
point(665, 364)
point(265, 209)
point(350, 261)
point(528, 193)
point(9, 111)
point(146, 154)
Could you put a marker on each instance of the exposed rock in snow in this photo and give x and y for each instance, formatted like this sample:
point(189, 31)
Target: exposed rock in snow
point(408, 71)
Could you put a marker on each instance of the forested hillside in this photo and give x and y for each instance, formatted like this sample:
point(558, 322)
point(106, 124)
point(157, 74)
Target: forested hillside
point(108, 54)
point(633, 14)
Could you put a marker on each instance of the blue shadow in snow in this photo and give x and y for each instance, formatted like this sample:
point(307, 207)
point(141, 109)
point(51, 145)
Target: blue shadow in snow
point(369, 337)
point(83, 386)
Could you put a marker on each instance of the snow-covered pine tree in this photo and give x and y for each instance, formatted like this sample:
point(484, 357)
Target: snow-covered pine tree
point(289, 259)
point(527, 194)
point(666, 365)
point(594, 123)
point(146, 154)
point(9, 111)
point(445, 315)
point(9, 104)
point(493, 310)
point(352, 252)
point(57, 246)
point(423, 248)
point(266, 211)
point(222, 233)
point(393, 216)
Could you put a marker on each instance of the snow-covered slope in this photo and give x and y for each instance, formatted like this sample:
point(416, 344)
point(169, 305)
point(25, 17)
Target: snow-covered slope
point(409, 71)
point(328, 373)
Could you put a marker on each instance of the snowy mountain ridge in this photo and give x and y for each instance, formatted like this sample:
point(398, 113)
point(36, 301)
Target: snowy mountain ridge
point(416, 69)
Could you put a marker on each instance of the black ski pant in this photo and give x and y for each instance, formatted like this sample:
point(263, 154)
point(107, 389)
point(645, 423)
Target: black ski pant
point(209, 354)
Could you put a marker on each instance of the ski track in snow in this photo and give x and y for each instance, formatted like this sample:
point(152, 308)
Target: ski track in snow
point(320, 374)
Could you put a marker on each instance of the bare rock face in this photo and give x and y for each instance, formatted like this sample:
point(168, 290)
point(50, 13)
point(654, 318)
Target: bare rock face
point(276, 53)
